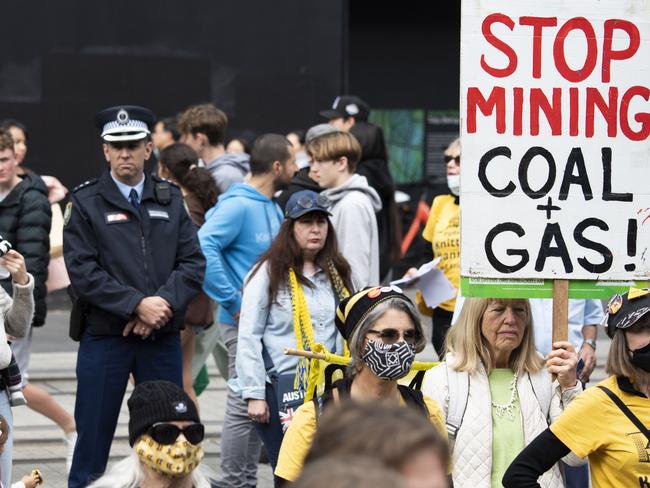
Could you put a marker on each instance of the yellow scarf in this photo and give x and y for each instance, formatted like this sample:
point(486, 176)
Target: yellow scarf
point(302, 321)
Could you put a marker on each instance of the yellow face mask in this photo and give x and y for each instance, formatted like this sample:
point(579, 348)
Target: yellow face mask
point(173, 460)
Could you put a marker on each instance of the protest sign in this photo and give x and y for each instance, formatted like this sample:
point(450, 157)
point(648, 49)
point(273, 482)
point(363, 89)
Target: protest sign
point(555, 118)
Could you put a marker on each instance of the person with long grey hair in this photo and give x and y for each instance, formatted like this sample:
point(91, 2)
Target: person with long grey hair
point(384, 333)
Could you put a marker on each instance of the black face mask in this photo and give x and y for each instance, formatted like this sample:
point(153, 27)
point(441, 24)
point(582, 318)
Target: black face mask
point(641, 358)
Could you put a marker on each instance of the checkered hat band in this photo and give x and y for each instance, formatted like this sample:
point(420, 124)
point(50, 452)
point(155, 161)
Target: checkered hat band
point(130, 126)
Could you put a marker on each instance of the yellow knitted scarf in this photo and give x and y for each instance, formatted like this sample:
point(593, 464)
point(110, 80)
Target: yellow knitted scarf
point(302, 326)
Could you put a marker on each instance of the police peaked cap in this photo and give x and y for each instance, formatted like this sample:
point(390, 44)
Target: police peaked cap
point(125, 123)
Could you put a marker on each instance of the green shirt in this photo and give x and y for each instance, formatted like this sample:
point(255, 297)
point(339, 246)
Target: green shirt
point(507, 433)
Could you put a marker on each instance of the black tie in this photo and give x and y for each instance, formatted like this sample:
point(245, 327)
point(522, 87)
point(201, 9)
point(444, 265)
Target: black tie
point(133, 197)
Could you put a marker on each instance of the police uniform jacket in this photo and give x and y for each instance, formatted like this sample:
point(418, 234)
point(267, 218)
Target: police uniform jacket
point(117, 254)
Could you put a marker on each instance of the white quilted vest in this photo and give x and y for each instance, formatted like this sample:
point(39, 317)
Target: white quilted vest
point(472, 456)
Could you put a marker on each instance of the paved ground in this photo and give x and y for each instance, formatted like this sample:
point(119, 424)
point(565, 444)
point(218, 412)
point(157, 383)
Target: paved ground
point(39, 443)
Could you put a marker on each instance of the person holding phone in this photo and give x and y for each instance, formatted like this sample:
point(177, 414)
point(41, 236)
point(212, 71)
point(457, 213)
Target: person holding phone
point(16, 315)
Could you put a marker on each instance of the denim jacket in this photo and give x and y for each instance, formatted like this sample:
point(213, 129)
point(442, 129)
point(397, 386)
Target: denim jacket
point(266, 329)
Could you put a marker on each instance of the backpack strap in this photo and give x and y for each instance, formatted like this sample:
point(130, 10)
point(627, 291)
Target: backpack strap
point(416, 382)
point(628, 413)
point(414, 399)
point(458, 387)
point(321, 402)
point(543, 393)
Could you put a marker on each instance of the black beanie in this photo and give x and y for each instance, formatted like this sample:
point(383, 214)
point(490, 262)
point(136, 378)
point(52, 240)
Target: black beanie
point(158, 401)
point(354, 308)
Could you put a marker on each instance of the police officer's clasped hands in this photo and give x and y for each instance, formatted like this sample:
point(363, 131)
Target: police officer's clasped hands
point(151, 313)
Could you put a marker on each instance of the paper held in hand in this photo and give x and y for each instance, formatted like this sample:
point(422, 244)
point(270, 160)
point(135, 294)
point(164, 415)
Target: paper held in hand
point(432, 283)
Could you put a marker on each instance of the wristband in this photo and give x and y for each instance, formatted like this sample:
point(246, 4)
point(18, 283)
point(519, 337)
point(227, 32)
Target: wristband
point(590, 342)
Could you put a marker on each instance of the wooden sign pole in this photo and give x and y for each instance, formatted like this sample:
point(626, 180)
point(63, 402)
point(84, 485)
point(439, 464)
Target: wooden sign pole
point(560, 310)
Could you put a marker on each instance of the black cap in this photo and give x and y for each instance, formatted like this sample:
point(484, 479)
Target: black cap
point(347, 106)
point(306, 201)
point(354, 308)
point(158, 401)
point(125, 123)
point(623, 311)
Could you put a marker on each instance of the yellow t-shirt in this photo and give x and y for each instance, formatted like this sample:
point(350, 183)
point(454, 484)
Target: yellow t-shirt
point(592, 425)
point(300, 434)
point(443, 232)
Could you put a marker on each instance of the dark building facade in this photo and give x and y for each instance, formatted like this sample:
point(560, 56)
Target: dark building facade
point(270, 65)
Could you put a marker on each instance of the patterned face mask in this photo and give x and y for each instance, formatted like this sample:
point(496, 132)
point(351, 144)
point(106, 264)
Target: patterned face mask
point(174, 460)
point(389, 361)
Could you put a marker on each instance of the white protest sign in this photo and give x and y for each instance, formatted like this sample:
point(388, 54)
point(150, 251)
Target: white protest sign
point(555, 117)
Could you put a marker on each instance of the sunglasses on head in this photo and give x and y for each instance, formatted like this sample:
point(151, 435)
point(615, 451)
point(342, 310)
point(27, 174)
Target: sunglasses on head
point(166, 433)
point(308, 202)
point(449, 158)
point(392, 336)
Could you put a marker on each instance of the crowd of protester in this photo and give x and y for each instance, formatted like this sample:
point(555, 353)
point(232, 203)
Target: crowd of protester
point(288, 242)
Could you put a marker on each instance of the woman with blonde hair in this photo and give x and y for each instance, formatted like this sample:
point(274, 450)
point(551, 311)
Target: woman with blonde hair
point(494, 392)
point(609, 422)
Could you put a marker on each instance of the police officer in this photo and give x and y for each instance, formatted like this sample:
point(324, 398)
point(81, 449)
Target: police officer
point(134, 263)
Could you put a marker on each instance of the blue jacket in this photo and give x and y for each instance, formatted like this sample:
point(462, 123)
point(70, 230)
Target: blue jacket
point(237, 230)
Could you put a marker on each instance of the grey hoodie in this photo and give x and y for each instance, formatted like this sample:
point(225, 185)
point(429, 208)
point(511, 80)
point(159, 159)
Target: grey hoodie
point(354, 205)
point(229, 168)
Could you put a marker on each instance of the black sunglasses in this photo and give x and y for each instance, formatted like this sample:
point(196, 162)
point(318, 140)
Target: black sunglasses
point(165, 433)
point(391, 336)
point(455, 158)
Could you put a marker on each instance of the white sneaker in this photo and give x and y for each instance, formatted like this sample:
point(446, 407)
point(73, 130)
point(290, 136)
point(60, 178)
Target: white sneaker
point(70, 440)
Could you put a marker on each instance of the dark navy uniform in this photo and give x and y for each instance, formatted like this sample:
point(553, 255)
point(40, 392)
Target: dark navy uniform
point(117, 255)
point(118, 252)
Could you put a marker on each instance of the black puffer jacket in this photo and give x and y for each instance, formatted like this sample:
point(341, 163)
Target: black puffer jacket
point(25, 220)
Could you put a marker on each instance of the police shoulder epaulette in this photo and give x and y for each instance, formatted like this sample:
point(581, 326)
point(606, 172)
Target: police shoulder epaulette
point(85, 184)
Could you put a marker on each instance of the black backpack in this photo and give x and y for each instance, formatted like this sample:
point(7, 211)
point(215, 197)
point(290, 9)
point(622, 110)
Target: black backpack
point(412, 398)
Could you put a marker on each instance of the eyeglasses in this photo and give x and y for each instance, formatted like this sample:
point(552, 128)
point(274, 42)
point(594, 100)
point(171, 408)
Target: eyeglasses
point(166, 433)
point(450, 158)
point(391, 336)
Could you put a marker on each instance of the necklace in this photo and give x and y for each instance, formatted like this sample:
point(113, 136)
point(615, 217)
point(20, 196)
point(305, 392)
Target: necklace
point(508, 409)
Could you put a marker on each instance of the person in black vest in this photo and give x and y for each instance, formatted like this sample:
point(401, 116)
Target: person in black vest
point(384, 332)
point(134, 263)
